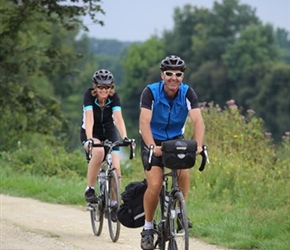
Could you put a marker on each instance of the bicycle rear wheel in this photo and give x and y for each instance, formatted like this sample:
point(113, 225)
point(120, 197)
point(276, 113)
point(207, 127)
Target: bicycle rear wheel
point(97, 213)
point(113, 204)
point(178, 223)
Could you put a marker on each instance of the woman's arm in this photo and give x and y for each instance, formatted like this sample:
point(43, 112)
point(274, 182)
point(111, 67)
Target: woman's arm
point(89, 122)
point(120, 124)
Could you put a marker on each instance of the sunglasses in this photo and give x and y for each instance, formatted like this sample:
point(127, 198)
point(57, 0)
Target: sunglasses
point(177, 74)
point(103, 87)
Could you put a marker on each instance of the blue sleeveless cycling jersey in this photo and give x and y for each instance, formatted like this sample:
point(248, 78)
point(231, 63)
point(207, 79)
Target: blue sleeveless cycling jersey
point(168, 116)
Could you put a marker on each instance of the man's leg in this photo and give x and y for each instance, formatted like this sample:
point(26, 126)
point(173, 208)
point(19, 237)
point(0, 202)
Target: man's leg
point(151, 197)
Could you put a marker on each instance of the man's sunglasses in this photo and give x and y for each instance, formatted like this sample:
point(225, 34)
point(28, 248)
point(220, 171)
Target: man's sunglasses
point(177, 74)
point(104, 87)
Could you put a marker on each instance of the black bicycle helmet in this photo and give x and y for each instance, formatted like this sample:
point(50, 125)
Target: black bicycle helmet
point(103, 76)
point(172, 62)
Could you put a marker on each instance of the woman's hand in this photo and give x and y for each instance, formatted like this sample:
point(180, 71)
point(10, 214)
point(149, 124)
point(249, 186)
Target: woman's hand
point(88, 144)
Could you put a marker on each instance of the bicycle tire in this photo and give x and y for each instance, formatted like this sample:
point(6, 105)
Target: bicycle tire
point(97, 213)
point(113, 193)
point(178, 223)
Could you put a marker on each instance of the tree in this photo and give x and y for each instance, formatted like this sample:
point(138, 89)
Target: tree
point(268, 96)
point(256, 44)
point(28, 57)
point(220, 46)
point(139, 62)
point(283, 40)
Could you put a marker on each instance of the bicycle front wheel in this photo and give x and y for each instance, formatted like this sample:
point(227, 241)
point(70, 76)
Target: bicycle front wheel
point(159, 225)
point(178, 223)
point(97, 213)
point(113, 204)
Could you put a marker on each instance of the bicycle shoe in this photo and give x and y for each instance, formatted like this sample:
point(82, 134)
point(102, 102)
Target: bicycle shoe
point(114, 216)
point(90, 196)
point(179, 220)
point(147, 239)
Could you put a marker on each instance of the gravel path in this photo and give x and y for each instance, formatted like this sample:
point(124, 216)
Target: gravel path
point(28, 224)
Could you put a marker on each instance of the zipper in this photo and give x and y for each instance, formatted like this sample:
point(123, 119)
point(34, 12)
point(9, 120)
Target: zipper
point(102, 112)
point(168, 121)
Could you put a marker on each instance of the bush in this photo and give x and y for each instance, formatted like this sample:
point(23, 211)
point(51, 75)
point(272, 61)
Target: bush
point(46, 159)
point(246, 167)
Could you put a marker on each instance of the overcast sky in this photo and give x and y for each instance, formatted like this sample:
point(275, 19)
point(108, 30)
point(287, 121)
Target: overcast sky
point(133, 20)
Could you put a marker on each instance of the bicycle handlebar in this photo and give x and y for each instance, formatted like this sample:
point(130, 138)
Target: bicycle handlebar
point(109, 145)
point(203, 154)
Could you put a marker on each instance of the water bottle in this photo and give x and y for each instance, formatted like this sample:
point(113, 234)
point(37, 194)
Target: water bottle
point(102, 180)
point(172, 213)
point(166, 200)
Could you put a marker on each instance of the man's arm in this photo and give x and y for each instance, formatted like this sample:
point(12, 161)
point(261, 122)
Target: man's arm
point(144, 123)
point(198, 126)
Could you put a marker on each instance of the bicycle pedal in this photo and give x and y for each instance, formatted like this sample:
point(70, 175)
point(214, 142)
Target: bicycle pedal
point(90, 207)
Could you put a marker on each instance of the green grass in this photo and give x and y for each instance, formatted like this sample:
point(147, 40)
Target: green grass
point(241, 227)
point(231, 226)
point(47, 189)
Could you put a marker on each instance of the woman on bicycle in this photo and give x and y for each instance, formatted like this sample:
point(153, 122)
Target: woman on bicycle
point(164, 108)
point(101, 116)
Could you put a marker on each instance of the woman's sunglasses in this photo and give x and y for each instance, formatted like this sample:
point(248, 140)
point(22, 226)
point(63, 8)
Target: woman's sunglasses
point(104, 87)
point(177, 74)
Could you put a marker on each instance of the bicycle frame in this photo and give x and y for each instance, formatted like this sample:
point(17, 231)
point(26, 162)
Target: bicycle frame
point(167, 212)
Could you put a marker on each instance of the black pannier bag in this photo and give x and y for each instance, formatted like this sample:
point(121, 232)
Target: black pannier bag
point(131, 212)
point(179, 154)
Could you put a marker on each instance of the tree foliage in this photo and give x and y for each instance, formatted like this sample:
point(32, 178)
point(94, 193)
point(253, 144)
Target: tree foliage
point(45, 66)
point(141, 64)
point(221, 47)
point(34, 49)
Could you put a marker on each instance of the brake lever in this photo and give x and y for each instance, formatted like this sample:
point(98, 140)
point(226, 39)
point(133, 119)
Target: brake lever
point(132, 149)
point(90, 149)
point(205, 158)
point(151, 149)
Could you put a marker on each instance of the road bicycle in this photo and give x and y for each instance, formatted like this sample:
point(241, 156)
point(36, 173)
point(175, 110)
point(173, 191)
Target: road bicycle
point(108, 190)
point(170, 218)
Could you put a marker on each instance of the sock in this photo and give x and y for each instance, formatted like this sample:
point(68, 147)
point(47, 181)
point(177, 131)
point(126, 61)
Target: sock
point(113, 202)
point(178, 210)
point(89, 188)
point(148, 225)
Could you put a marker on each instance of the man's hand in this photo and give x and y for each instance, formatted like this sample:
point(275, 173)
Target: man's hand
point(157, 151)
point(199, 149)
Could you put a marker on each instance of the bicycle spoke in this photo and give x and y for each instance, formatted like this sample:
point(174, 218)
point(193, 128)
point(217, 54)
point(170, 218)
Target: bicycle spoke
point(159, 227)
point(178, 224)
point(113, 204)
point(97, 214)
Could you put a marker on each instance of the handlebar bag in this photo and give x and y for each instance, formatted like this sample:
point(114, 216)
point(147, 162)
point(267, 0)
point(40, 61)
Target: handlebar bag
point(179, 154)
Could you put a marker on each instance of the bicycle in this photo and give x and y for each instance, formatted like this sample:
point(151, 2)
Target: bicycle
point(170, 217)
point(107, 190)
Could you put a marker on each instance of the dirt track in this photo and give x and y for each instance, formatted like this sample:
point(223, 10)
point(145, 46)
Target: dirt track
point(28, 224)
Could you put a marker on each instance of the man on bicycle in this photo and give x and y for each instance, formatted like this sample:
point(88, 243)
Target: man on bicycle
point(164, 108)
